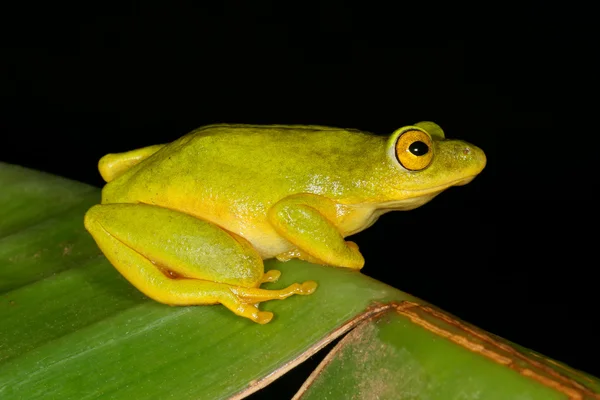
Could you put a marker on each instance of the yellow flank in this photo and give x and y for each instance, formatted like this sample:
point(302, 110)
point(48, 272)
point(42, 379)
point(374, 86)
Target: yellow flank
point(190, 222)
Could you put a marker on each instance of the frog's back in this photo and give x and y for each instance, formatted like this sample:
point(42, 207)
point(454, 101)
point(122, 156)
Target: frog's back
point(224, 163)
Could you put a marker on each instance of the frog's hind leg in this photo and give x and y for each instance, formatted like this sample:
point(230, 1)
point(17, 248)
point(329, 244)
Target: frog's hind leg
point(177, 259)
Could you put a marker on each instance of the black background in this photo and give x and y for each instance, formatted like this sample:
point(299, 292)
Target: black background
point(78, 83)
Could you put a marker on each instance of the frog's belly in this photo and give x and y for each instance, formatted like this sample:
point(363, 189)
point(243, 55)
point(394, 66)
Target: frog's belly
point(269, 243)
point(258, 232)
point(263, 237)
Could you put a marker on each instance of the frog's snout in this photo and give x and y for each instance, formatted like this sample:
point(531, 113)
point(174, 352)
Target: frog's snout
point(474, 156)
point(474, 160)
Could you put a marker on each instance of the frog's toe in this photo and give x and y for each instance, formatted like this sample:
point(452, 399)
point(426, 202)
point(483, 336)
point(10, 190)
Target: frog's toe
point(307, 287)
point(263, 317)
point(271, 276)
point(249, 311)
point(352, 244)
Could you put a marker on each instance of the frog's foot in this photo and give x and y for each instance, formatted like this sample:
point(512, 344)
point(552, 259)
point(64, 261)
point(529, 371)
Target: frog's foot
point(240, 300)
point(257, 295)
point(271, 276)
point(244, 301)
point(250, 311)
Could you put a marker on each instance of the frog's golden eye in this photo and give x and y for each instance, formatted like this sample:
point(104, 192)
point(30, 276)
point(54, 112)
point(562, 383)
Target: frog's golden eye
point(414, 150)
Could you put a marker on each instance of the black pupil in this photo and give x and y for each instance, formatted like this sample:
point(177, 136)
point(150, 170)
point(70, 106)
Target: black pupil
point(418, 148)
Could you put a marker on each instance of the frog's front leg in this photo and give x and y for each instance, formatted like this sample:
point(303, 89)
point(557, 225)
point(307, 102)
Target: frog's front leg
point(177, 259)
point(303, 221)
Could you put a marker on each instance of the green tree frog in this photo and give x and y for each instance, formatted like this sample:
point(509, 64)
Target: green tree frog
point(190, 222)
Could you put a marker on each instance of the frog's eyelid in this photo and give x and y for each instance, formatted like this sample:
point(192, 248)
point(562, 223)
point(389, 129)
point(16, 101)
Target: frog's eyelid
point(432, 129)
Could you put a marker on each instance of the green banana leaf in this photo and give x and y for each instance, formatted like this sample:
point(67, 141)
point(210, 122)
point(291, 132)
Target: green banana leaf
point(72, 328)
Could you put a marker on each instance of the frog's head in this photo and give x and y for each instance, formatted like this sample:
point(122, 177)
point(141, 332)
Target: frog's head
point(423, 163)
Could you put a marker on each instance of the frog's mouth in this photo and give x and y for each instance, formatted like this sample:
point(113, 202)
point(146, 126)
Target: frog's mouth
point(436, 189)
point(463, 181)
point(416, 198)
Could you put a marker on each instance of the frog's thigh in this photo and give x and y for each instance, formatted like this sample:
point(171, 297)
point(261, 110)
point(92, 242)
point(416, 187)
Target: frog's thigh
point(178, 243)
point(140, 240)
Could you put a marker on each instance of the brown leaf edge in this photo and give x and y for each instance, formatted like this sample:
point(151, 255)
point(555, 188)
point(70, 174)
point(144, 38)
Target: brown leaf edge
point(471, 338)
